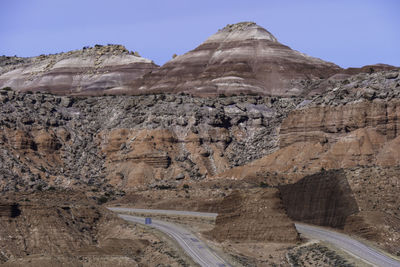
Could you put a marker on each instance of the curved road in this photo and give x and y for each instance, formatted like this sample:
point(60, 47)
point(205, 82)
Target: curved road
point(339, 240)
point(194, 247)
point(348, 244)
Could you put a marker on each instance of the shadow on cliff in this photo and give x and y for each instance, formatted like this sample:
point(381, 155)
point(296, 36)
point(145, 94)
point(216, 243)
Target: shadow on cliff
point(9, 210)
point(324, 198)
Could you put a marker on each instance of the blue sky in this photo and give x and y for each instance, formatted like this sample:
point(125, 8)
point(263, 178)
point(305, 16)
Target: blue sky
point(348, 33)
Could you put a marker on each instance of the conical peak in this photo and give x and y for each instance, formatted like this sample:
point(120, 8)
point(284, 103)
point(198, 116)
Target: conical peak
point(241, 26)
point(241, 31)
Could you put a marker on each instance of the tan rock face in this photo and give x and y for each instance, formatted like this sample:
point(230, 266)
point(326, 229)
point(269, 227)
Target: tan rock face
point(357, 134)
point(130, 141)
point(256, 215)
point(376, 192)
point(328, 124)
point(240, 58)
point(39, 152)
point(143, 157)
point(91, 71)
point(22, 141)
point(360, 137)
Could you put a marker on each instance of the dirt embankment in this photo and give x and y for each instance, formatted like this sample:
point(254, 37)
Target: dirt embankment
point(254, 215)
point(52, 229)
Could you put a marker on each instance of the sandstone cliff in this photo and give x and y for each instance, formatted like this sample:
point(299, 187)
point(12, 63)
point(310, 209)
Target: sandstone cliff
point(254, 215)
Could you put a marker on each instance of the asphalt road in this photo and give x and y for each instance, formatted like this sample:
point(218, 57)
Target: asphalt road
point(167, 212)
point(339, 240)
point(348, 244)
point(194, 247)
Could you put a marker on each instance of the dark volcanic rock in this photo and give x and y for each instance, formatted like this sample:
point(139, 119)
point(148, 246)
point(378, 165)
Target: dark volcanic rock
point(240, 58)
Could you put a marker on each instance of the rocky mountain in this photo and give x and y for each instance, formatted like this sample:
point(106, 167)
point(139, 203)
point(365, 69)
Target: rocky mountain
point(240, 58)
point(90, 71)
point(242, 125)
point(131, 141)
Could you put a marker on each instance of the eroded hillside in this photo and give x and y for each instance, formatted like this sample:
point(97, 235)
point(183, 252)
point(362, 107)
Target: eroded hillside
point(242, 125)
point(72, 142)
point(58, 228)
point(90, 71)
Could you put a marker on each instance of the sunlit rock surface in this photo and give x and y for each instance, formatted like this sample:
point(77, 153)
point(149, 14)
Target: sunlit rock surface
point(240, 58)
point(90, 71)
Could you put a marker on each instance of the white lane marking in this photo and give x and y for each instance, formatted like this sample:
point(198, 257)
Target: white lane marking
point(216, 257)
point(188, 249)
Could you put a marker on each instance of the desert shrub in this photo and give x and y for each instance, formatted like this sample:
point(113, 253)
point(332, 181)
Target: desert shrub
point(163, 187)
point(101, 200)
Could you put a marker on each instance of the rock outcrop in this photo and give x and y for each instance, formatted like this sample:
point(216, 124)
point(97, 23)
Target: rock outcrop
point(130, 141)
point(266, 121)
point(90, 71)
point(324, 199)
point(255, 215)
point(355, 123)
point(240, 58)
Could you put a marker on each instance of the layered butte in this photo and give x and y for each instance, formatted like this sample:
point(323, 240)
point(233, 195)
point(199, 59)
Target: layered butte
point(90, 71)
point(240, 58)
